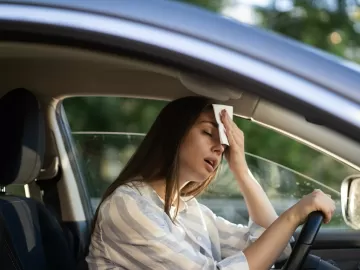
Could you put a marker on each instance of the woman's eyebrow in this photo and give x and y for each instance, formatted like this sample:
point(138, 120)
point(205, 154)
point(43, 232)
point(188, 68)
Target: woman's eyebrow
point(210, 122)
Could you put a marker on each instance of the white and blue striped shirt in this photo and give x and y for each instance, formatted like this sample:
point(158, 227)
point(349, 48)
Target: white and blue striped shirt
point(133, 232)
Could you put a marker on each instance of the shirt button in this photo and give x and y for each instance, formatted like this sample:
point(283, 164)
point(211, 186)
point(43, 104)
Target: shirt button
point(198, 238)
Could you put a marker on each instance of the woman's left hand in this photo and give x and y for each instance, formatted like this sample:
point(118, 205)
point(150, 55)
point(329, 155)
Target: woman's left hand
point(235, 153)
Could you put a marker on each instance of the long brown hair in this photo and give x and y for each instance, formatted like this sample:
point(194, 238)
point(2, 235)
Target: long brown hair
point(157, 157)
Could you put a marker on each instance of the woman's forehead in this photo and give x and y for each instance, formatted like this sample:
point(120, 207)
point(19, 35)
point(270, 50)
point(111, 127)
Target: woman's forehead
point(207, 116)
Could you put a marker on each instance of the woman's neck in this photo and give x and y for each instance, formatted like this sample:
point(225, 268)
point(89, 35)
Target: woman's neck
point(160, 187)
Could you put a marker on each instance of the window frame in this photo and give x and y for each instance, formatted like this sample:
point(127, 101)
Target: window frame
point(72, 156)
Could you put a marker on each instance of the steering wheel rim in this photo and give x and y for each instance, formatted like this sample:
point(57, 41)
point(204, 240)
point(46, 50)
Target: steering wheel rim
point(304, 242)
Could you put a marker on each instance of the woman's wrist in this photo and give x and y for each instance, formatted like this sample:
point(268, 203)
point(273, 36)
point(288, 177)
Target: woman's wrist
point(292, 217)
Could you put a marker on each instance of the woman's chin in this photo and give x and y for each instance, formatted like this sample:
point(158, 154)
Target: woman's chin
point(199, 176)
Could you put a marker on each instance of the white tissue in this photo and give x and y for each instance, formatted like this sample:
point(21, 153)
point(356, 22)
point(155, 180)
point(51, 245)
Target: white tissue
point(217, 110)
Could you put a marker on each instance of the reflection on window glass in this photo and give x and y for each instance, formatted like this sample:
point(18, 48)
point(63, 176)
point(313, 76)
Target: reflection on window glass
point(107, 131)
point(104, 155)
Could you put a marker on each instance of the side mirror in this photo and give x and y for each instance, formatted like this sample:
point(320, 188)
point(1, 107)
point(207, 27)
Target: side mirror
point(350, 201)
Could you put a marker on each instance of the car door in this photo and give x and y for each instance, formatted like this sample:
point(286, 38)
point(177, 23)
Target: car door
point(204, 45)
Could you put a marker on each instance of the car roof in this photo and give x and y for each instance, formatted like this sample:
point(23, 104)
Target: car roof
point(319, 67)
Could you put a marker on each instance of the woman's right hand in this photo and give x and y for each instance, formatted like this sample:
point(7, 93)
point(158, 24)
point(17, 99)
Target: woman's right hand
point(277, 235)
point(315, 201)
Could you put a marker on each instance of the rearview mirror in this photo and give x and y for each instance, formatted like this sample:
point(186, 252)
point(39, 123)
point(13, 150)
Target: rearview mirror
point(350, 201)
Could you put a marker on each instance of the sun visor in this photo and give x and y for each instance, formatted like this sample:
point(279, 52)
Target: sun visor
point(209, 88)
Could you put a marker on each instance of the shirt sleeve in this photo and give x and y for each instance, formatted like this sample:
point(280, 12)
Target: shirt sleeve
point(135, 235)
point(236, 237)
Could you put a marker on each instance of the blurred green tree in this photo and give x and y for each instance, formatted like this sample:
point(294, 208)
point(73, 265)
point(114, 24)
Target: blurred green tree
point(331, 26)
point(212, 5)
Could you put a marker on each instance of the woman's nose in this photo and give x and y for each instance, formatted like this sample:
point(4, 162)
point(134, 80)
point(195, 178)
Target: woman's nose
point(219, 148)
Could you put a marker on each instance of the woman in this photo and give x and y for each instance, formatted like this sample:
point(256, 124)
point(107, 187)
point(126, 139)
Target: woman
point(149, 218)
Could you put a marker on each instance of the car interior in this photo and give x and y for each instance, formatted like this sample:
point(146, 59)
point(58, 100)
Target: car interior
point(49, 227)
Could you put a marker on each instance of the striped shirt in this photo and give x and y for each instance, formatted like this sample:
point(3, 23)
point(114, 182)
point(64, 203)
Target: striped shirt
point(133, 232)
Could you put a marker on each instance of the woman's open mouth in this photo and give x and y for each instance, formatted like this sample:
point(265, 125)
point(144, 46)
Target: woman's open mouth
point(210, 164)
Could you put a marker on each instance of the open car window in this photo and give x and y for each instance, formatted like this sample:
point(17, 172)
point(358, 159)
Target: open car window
point(106, 131)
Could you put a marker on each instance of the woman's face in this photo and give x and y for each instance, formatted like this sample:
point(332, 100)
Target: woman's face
point(201, 151)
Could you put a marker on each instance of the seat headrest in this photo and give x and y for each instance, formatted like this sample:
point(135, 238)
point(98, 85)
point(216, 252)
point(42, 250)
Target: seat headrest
point(22, 137)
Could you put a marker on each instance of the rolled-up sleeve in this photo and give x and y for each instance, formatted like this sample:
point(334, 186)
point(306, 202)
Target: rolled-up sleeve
point(135, 235)
point(236, 237)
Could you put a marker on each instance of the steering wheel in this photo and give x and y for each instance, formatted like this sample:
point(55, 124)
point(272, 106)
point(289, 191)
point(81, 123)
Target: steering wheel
point(304, 242)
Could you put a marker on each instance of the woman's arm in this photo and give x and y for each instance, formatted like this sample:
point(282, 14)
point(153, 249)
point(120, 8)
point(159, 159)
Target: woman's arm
point(258, 204)
point(262, 248)
point(260, 209)
point(271, 243)
point(237, 237)
point(279, 230)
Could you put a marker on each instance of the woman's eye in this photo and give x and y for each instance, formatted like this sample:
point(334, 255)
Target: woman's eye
point(207, 133)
